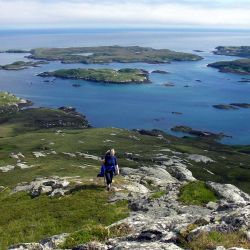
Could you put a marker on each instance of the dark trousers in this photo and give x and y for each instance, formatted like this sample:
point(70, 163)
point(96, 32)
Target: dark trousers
point(109, 176)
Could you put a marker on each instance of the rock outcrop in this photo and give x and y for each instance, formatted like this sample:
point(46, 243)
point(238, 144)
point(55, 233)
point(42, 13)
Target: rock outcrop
point(53, 186)
point(46, 244)
point(230, 193)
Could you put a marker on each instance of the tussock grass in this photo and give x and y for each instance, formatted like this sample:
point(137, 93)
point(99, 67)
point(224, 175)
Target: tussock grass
point(213, 239)
point(196, 193)
point(157, 195)
point(98, 233)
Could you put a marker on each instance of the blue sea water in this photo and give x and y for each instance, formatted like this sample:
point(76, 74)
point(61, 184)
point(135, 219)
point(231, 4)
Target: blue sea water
point(139, 106)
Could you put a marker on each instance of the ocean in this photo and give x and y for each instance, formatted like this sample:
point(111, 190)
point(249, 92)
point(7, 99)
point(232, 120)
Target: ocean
point(147, 106)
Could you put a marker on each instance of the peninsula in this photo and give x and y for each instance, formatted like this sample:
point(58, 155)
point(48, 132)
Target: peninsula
point(122, 76)
point(109, 54)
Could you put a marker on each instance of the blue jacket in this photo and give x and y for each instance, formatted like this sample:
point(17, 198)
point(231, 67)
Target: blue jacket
point(109, 164)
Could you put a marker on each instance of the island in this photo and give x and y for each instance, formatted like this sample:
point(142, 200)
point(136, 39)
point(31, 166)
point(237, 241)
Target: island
point(245, 80)
point(198, 50)
point(199, 133)
point(19, 65)
point(240, 51)
point(19, 51)
point(225, 106)
point(159, 72)
point(122, 76)
point(176, 113)
point(232, 106)
point(241, 105)
point(109, 54)
point(168, 84)
point(241, 66)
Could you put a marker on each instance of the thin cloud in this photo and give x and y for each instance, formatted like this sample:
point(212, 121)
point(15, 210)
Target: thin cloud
point(125, 13)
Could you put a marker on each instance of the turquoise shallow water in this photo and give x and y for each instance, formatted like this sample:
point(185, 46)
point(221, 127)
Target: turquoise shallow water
point(139, 106)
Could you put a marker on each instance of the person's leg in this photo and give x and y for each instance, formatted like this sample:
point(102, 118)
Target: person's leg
point(111, 177)
point(108, 179)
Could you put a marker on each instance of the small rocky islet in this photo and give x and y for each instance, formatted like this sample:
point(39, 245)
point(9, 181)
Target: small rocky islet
point(199, 133)
point(160, 72)
point(232, 106)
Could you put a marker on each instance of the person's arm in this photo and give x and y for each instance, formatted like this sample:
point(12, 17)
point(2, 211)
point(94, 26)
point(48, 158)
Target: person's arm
point(117, 170)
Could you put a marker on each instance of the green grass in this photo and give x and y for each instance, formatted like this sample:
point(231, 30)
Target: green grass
point(8, 99)
point(98, 233)
point(157, 195)
point(196, 193)
point(26, 220)
point(232, 168)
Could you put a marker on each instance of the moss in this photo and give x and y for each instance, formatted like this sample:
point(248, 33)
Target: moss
point(196, 193)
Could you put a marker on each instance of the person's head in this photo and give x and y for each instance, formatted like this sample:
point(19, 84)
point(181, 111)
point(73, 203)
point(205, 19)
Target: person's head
point(112, 152)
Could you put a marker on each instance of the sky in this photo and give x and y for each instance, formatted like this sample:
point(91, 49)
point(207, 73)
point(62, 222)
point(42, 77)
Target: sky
point(229, 14)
